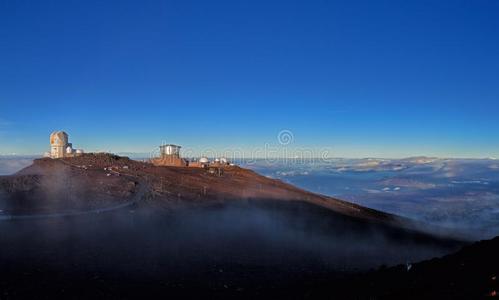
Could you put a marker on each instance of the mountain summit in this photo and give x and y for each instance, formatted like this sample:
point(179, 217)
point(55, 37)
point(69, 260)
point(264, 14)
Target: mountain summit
point(121, 228)
point(102, 180)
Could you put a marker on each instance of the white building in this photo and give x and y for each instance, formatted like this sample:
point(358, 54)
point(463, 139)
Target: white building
point(60, 146)
point(170, 150)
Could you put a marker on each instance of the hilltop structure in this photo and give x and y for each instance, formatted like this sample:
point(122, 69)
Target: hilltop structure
point(60, 146)
point(203, 162)
point(169, 156)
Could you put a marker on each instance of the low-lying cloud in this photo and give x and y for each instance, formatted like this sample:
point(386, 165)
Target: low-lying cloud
point(10, 165)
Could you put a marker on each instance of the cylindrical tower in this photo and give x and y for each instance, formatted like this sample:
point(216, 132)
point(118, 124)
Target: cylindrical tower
point(170, 150)
point(58, 144)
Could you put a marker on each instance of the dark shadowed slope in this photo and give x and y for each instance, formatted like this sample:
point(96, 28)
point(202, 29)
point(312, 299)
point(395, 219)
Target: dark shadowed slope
point(471, 273)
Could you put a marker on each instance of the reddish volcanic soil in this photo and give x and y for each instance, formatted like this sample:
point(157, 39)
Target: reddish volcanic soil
point(188, 232)
point(115, 178)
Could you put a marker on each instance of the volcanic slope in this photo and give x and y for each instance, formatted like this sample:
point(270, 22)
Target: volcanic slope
point(101, 179)
point(470, 273)
point(185, 230)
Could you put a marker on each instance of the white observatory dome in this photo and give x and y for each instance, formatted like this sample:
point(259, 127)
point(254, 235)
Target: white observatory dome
point(79, 151)
point(217, 160)
point(69, 150)
point(203, 160)
point(58, 138)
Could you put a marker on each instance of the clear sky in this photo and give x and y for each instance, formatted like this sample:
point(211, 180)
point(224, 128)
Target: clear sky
point(363, 78)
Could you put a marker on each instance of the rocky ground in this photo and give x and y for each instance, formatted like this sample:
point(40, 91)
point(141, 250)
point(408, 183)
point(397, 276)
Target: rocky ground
point(190, 232)
point(114, 177)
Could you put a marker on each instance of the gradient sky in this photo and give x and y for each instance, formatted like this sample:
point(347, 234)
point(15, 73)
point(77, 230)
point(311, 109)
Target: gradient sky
point(363, 78)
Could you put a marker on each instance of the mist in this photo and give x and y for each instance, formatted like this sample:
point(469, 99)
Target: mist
point(11, 165)
point(236, 245)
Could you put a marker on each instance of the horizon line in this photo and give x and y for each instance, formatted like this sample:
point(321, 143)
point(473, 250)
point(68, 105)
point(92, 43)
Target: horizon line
point(145, 155)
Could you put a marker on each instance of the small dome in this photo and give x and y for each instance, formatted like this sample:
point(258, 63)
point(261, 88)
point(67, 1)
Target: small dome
point(203, 160)
point(69, 150)
point(79, 151)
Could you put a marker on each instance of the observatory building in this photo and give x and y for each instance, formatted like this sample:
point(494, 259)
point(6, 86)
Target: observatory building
point(60, 146)
point(169, 156)
point(170, 150)
point(203, 162)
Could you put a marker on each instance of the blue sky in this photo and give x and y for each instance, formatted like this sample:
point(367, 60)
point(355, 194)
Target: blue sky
point(363, 78)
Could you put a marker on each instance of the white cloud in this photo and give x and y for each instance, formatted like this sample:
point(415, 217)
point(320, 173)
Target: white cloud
point(11, 165)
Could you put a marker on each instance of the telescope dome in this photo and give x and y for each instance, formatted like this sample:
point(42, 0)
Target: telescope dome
point(58, 138)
